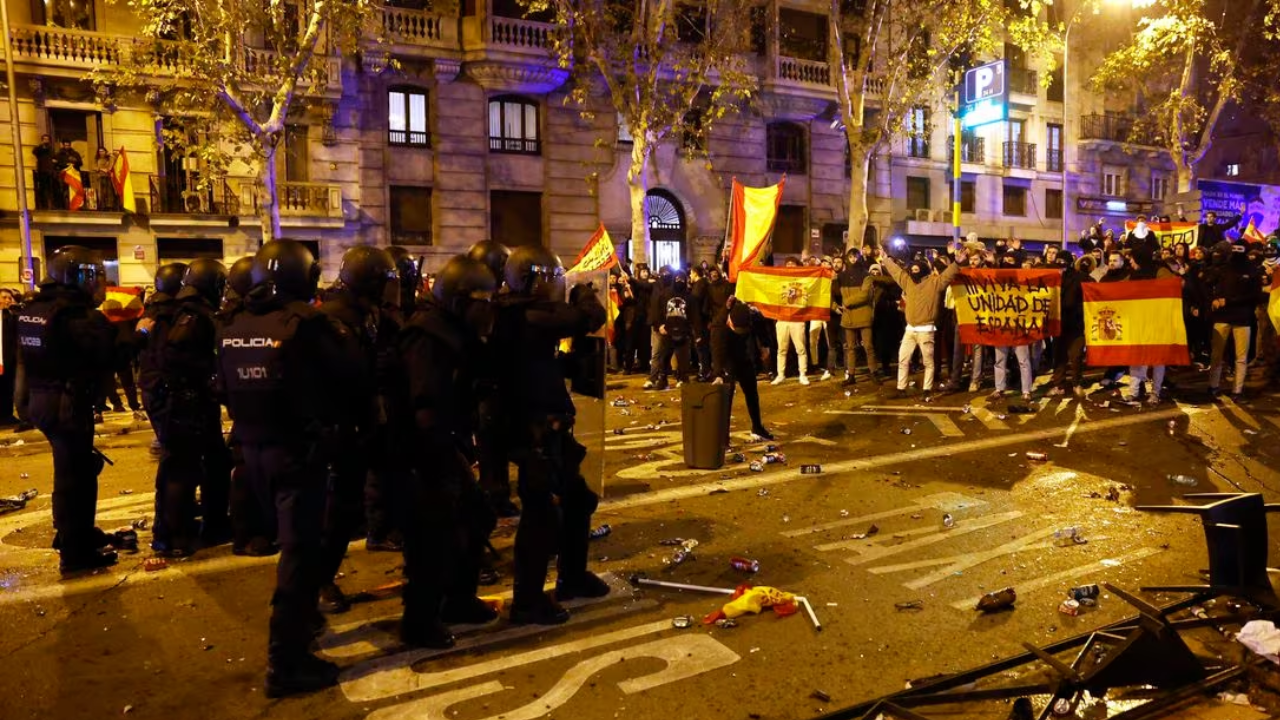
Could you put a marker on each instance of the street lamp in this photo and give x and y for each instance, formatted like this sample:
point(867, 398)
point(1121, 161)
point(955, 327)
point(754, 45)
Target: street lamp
point(19, 169)
point(1096, 7)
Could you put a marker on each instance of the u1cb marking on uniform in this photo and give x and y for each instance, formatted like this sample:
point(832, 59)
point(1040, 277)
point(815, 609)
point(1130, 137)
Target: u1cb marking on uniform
point(685, 657)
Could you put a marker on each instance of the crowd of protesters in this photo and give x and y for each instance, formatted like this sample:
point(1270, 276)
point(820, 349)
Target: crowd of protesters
point(893, 307)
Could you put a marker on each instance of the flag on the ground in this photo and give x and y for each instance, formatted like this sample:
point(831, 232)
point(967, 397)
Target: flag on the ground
point(75, 187)
point(1252, 234)
point(1002, 308)
point(1135, 322)
point(796, 293)
point(752, 212)
point(122, 304)
point(122, 182)
point(1170, 233)
point(1273, 303)
point(599, 253)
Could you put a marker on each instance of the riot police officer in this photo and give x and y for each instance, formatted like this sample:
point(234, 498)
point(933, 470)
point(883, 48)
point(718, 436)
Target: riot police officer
point(354, 303)
point(65, 344)
point(408, 279)
point(156, 319)
point(451, 522)
point(556, 504)
point(288, 380)
point(495, 466)
point(187, 419)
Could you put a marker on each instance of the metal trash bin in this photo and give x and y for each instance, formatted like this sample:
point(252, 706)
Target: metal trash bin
point(705, 410)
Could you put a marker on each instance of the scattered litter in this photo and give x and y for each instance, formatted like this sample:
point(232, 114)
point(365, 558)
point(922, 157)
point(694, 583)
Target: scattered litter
point(1062, 707)
point(624, 412)
point(1234, 698)
point(1069, 536)
point(906, 431)
point(773, 458)
point(40, 612)
point(1182, 480)
point(17, 443)
point(140, 523)
point(737, 457)
point(619, 431)
point(966, 409)
point(17, 502)
point(127, 709)
point(756, 466)
point(1039, 456)
point(813, 617)
point(764, 492)
point(1070, 607)
point(786, 518)
point(1013, 454)
point(726, 624)
point(620, 402)
point(23, 476)
point(682, 622)
point(602, 531)
point(1001, 417)
point(126, 492)
point(948, 521)
point(917, 516)
point(1110, 562)
point(820, 696)
point(1113, 494)
point(754, 650)
point(864, 535)
point(1262, 637)
point(844, 513)
point(154, 564)
point(1104, 404)
point(833, 604)
point(1085, 592)
point(744, 564)
point(810, 469)
point(998, 600)
point(1250, 431)
point(909, 605)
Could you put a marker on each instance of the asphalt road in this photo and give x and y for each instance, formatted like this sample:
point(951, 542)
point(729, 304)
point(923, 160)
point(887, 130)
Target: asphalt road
point(189, 640)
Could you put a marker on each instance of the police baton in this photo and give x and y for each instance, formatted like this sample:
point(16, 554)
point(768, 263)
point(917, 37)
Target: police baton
point(104, 458)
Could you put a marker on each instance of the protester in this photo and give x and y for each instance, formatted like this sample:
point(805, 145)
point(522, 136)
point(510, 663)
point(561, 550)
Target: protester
point(791, 333)
point(922, 292)
point(1232, 287)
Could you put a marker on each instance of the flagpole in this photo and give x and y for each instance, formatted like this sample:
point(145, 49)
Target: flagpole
point(19, 168)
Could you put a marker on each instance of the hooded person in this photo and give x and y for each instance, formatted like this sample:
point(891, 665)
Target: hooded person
point(1233, 286)
point(922, 293)
point(739, 367)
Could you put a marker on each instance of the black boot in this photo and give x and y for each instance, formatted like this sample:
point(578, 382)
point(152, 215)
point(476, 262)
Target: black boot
point(425, 633)
point(538, 610)
point(302, 673)
point(586, 585)
point(332, 600)
point(87, 560)
point(467, 611)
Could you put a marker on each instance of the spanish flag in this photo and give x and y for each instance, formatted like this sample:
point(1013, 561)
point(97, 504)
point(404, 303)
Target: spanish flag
point(752, 212)
point(1252, 234)
point(122, 304)
point(796, 293)
point(1007, 307)
point(1135, 322)
point(75, 187)
point(1273, 303)
point(599, 253)
point(123, 184)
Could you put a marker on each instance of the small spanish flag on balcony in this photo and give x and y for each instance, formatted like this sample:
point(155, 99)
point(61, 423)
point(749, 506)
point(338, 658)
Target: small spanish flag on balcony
point(795, 293)
point(123, 184)
point(1135, 322)
point(75, 187)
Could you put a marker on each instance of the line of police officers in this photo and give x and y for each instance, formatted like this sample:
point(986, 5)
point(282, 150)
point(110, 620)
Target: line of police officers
point(372, 391)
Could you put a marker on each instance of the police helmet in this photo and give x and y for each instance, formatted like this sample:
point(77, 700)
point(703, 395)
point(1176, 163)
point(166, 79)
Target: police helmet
point(534, 270)
point(207, 277)
point(459, 278)
point(169, 278)
point(77, 266)
point(289, 267)
point(493, 255)
point(366, 271)
point(404, 290)
point(240, 277)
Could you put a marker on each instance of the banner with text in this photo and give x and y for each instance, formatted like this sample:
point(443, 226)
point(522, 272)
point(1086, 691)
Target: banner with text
point(1007, 307)
point(1171, 233)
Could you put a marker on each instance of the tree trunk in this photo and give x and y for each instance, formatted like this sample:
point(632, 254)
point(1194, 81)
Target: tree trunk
point(859, 172)
point(269, 198)
point(1185, 175)
point(638, 183)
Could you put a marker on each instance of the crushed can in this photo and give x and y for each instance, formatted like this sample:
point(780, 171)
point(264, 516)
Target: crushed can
point(682, 622)
point(948, 521)
point(618, 431)
point(998, 600)
point(602, 531)
point(771, 448)
point(620, 402)
point(1039, 456)
point(757, 466)
point(745, 564)
point(1069, 607)
point(810, 469)
point(906, 431)
point(737, 457)
point(680, 556)
point(775, 457)
point(1085, 591)
point(1068, 536)
point(726, 623)
point(672, 542)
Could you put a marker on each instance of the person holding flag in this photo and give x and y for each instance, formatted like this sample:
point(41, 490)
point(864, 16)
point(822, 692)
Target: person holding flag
point(922, 293)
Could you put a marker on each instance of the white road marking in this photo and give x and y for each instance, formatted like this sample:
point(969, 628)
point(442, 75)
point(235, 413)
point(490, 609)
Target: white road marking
point(880, 551)
point(945, 501)
point(1075, 425)
point(684, 657)
point(979, 409)
point(878, 461)
point(390, 676)
point(1047, 580)
point(944, 424)
point(964, 561)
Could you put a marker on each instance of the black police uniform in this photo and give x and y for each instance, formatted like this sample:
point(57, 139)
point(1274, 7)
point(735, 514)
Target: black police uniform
point(187, 419)
point(160, 309)
point(65, 344)
point(451, 521)
point(287, 375)
point(556, 503)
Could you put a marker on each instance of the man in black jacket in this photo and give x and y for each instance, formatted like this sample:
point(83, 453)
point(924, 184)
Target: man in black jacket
point(1233, 287)
point(699, 286)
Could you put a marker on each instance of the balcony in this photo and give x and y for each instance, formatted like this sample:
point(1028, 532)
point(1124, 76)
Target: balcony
point(918, 146)
point(1114, 127)
point(809, 72)
point(314, 201)
point(1053, 160)
point(972, 150)
point(1023, 81)
point(407, 29)
point(524, 35)
point(1020, 155)
point(180, 195)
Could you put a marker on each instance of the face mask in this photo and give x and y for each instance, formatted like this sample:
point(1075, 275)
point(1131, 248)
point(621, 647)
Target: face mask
point(918, 273)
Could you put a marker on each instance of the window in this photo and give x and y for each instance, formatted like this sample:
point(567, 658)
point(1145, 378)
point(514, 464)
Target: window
point(785, 148)
point(1053, 156)
point(1015, 201)
point(1233, 169)
point(410, 215)
point(803, 35)
point(759, 31)
point(1056, 91)
point(1053, 203)
point(407, 118)
point(691, 23)
point(917, 193)
point(187, 249)
point(624, 132)
point(789, 234)
point(1159, 186)
point(1112, 181)
point(693, 137)
point(513, 126)
point(64, 13)
point(918, 132)
point(515, 218)
point(296, 153)
point(968, 196)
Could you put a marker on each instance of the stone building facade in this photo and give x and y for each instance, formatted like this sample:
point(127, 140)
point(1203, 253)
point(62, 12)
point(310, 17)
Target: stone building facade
point(471, 137)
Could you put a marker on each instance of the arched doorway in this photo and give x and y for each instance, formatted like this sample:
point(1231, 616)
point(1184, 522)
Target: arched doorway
point(666, 229)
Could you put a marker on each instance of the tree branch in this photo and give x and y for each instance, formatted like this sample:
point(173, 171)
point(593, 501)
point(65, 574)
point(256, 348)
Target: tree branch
point(231, 99)
point(284, 96)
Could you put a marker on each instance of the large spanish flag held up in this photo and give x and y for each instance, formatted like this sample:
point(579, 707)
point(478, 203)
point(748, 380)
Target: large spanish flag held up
point(1135, 322)
point(752, 212)
point(796, 294)
point(1003, 308)
point(122, 304)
